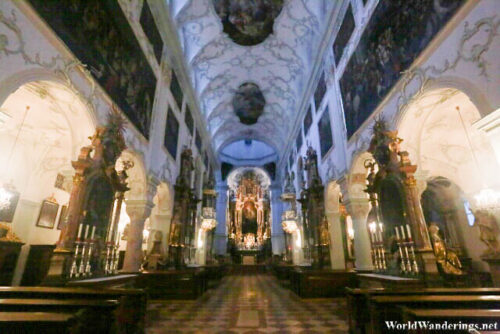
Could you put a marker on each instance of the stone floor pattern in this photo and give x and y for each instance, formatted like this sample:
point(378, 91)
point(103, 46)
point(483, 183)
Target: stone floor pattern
point(248, 304)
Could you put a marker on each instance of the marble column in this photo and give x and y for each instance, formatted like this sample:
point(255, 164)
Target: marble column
point(220, 241)
point(277, 233)
point(138, 211)
point(358, 209)
point(337, 254)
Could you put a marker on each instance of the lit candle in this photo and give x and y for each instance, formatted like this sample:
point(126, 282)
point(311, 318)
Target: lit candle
point(403, 235)
point(93, 232)
point(86, 231)
point(397, 233)
point(409, 231)
point(80, 231)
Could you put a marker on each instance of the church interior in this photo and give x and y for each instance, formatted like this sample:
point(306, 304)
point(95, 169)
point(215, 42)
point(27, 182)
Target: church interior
point(249, 166)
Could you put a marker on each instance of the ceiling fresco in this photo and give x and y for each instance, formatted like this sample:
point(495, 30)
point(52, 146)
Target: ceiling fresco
point(248, 103)
point(280, 65)
point(248, 22)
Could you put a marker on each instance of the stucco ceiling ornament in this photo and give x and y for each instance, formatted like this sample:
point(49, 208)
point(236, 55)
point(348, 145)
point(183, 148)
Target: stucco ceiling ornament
point(279, 66)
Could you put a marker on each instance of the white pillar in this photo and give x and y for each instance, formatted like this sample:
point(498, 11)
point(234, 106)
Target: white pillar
point(359, 208)
point(277, 234)
point(138, 211)
point(220, 241)
point(337, 255)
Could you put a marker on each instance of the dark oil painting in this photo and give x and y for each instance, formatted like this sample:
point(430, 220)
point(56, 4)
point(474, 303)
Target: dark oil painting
point(320, 91)
point(396, 34)
point(344, 34)
point(188, 118)
point(308, 121)
point(171, 134)
point(197, 141)
point(325, 133)
point(99, 35)
point(176, 90)
point(298, 141)
point(151, 30)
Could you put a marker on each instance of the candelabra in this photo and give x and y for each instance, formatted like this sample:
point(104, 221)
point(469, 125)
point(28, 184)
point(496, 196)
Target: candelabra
point(406, 249)
point(378, 248)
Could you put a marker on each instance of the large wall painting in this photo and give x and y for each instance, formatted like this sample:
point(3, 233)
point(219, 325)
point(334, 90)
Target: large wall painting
point(308, 119)
point(298, 141)
point(325, 133)
point(151, 30)
point(396, 34)
point(176, 90)
point(172, 134)
point(344, 34)
point(99, 35)
point(188, 118)
point(320, 91)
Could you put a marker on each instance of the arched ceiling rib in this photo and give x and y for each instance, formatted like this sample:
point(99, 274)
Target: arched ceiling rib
point(280, 66)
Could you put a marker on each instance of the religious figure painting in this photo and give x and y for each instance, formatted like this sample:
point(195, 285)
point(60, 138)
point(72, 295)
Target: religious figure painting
point(320, 91)
point(398, 31)
point(48, 214)
point(308, 121)
point(325, 133)
point(171, 134)
point(298, 141)
point(99, 35)
point(344, 34)
point(151, 30)
point(176, 90)
point(248, 22)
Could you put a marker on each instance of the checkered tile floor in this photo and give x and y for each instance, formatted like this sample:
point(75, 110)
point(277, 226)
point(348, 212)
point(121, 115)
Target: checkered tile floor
point(248, 304)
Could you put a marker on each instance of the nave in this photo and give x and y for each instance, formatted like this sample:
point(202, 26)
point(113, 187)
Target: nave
point(248, 304)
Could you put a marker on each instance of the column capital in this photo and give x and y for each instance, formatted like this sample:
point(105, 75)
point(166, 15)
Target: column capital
point(358, 207)
point(138, 209)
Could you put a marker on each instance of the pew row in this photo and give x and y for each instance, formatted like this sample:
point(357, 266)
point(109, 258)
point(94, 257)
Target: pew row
point(486, 320)
point(357, 301)
point(129, 305)
point(36, 322)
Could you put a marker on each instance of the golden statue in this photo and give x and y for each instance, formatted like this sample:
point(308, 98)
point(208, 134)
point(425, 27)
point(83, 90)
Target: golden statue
point(449, 261)
point(488, 231)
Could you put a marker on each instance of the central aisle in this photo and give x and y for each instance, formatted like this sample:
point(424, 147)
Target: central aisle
point(248, 304)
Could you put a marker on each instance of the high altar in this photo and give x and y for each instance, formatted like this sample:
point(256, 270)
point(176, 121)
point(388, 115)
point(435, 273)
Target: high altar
point(249, 228)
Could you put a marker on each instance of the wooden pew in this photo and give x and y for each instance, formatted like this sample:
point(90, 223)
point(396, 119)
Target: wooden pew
point(387, 308)
point(35, 322)
point(357, 301)
point(130, 314)
point(490, 319)
point(96, 316)
point(173, 284)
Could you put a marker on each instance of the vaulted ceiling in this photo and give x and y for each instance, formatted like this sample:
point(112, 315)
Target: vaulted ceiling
point(280, 66)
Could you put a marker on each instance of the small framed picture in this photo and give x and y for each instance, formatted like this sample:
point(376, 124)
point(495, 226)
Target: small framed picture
point(48, 214)
point(61, 222)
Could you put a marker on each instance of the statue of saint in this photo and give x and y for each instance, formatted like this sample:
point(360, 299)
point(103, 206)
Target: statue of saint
point(448, 260)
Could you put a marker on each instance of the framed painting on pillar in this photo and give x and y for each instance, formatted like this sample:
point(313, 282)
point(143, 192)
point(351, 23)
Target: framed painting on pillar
point(48, 214)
